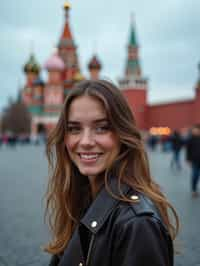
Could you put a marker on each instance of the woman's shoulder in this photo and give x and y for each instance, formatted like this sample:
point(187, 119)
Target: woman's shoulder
point(139, 229)
point(141, 210)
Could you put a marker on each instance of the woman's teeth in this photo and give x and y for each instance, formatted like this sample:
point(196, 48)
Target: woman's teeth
point(89, 157)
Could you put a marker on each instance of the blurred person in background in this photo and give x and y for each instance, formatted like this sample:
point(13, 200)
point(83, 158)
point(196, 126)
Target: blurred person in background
point(165, 143)
point(152, 141)
point(193, 157)
point(103, 207)
point(176, 146)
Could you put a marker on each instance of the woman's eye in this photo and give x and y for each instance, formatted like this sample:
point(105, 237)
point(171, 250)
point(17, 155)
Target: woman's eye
point(102, 129)
point(73, 130)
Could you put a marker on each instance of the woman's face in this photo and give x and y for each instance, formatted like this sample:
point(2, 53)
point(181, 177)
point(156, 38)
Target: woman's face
point(89, 140)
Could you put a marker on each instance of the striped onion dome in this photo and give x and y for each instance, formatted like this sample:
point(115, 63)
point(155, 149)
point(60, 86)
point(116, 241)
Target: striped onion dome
point(32, 66)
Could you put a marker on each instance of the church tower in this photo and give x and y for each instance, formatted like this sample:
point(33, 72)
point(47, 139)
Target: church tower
point(133, 84)
point(94, 67)
point(67, 50)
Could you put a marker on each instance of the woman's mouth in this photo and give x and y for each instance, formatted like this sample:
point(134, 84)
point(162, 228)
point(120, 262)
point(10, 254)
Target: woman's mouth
point(89, 157)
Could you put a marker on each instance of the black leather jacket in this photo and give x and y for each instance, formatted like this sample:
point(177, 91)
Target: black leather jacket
point(116, 233)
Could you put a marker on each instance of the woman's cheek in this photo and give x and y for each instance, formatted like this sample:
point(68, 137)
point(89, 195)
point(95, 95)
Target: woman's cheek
point(70, 142)
point(109, 141)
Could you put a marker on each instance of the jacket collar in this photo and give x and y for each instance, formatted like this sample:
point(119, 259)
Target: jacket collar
point(102, 206)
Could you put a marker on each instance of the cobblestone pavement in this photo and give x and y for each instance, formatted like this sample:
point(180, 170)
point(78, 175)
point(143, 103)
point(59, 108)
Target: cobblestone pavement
point(23, 176)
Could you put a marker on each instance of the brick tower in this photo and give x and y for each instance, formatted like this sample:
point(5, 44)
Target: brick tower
point(133, 84)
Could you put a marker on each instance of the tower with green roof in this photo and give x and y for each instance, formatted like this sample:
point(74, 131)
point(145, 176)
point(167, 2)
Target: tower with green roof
point(132, 63)
point(133, 74)
point(133, 84)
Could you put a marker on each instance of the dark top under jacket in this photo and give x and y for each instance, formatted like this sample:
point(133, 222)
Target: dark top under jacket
point(116, 233)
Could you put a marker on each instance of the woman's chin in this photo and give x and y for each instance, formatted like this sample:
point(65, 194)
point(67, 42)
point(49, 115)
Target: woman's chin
point(90, 172)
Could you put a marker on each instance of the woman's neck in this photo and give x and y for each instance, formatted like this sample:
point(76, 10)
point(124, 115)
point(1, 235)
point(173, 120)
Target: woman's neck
point(95, 185)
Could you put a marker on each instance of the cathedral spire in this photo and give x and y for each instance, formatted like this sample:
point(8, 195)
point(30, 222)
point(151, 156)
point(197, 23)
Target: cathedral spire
point(66, 39)
point(67, 49)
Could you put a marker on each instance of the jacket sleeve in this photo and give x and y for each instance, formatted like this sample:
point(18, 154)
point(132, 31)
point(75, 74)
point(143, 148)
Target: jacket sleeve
point(143, 241)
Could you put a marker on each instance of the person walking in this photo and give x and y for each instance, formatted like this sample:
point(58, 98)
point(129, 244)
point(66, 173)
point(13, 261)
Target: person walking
point(103, 206)
point(176, 145)
point(193, 157)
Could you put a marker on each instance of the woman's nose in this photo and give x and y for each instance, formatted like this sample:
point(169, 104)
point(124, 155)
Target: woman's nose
point(87, 138)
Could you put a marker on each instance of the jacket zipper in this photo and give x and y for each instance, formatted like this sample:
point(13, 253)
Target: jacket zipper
point(90, 250)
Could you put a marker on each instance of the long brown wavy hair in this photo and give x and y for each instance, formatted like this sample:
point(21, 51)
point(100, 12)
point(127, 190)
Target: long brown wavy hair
point(68, 192)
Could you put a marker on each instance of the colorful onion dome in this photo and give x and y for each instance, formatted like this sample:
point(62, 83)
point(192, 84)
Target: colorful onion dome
point(94, 63)
point(32, 66)
point(78, 76)
point(54, 63)
point(38, 82)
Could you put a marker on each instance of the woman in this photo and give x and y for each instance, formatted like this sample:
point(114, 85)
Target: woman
point(104, 208)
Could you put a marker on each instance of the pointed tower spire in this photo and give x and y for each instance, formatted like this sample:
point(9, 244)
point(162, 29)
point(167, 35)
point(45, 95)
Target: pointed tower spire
point(133, 40)
point(198, 79)
point(66, 39)
point(67, 49)
point(94, 67)
point(133, 75)
point(199, 70)
point(132, 64)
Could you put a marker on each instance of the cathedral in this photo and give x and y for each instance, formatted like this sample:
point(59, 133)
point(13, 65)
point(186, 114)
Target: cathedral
point(44, 99)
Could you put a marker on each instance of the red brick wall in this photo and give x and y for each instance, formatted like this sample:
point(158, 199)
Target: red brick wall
point(137, 100)
point(196, 115)
point(175, 115)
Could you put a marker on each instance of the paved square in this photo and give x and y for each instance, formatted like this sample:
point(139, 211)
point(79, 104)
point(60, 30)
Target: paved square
point(23, 178)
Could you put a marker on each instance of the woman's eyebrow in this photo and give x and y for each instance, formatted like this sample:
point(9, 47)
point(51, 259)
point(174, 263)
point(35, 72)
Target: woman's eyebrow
point(100, 120)
point(73, 122)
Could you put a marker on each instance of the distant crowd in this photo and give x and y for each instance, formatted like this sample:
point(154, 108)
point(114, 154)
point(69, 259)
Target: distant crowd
point(12, 140)
point(174, 143)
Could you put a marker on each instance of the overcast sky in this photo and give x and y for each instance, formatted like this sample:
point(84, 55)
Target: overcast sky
point(168, 33)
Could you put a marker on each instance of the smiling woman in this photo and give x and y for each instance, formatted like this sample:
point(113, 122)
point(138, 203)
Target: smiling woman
point(101, 198)
point(89, 140)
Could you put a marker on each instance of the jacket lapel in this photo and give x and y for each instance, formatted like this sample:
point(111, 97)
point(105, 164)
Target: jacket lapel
point(102, 206)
